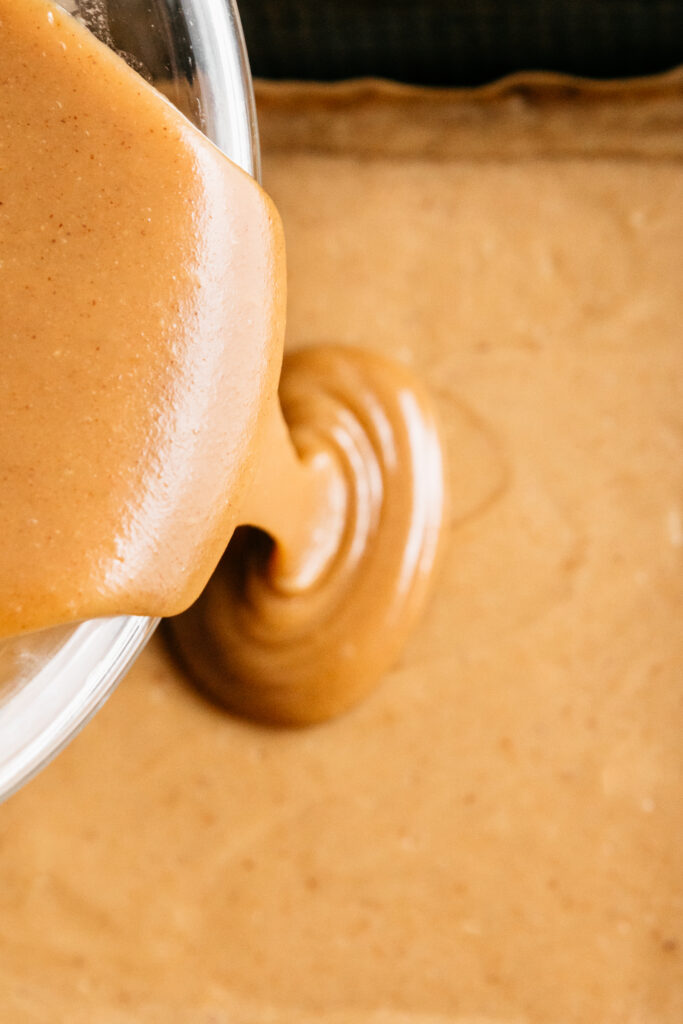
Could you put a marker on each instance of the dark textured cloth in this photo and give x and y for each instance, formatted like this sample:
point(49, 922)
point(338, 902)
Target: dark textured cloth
point(460, 42)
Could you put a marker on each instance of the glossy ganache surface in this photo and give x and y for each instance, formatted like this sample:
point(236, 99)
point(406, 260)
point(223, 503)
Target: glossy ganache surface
point(298, 623)
point(142, 311)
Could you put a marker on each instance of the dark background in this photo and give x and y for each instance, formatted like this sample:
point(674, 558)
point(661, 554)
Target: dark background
point(460, 42)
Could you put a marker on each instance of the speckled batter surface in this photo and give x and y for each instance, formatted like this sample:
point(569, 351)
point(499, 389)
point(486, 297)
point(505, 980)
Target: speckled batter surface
point(495, 835)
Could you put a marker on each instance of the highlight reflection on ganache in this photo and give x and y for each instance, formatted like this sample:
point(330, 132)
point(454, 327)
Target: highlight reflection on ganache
point(295, 646)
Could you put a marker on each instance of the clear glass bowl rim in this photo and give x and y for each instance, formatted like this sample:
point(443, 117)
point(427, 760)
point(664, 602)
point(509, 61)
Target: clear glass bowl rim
point(39, 717)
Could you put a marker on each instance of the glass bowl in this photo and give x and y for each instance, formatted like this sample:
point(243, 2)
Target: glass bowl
point(52, 682)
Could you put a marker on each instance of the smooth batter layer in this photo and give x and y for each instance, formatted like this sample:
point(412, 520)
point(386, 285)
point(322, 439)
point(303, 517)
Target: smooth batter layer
point(494, 835)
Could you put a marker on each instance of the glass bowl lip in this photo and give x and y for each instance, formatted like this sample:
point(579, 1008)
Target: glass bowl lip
point(229, 112)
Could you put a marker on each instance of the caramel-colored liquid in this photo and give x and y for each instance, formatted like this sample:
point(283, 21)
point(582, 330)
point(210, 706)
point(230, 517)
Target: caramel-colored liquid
point(141, 316)
point(297, 632)
point(143, 312)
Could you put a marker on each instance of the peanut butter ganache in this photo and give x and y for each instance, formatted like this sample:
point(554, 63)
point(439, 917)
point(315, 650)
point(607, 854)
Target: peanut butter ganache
point(297, 631)
point(141, 313)
point(142, 293)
